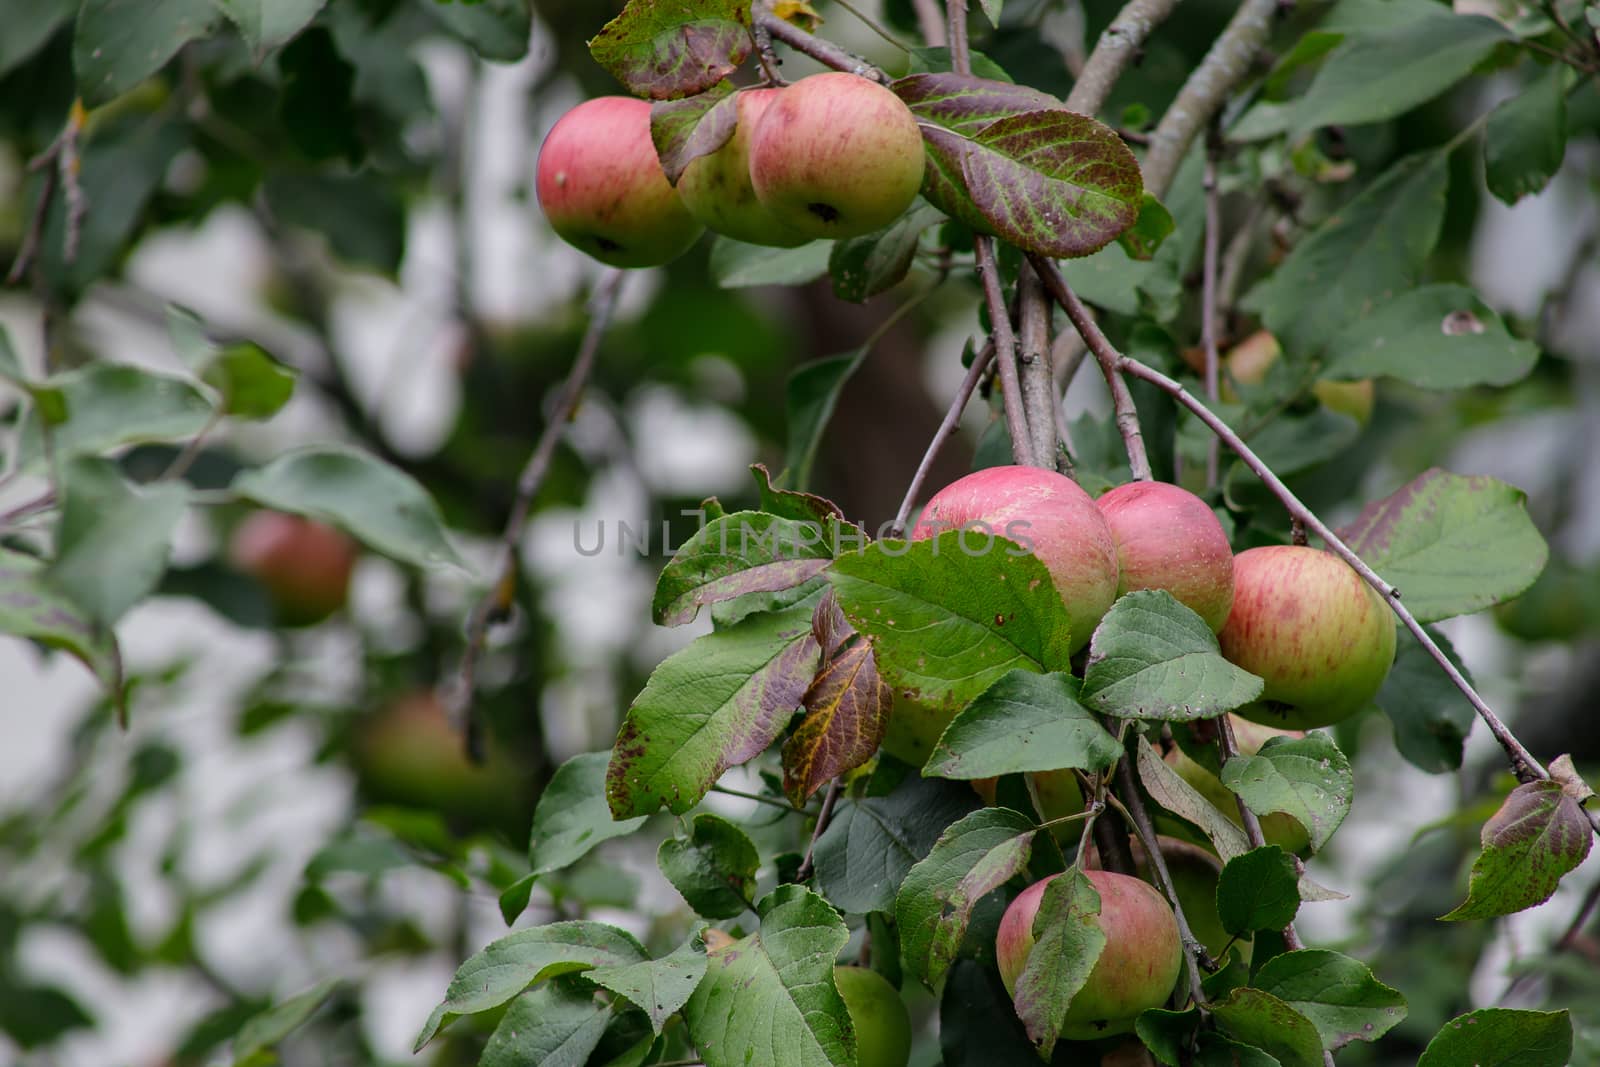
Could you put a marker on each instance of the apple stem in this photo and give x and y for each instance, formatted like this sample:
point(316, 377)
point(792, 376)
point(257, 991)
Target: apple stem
point(823, 51)
point(952, 419)
point(458, 698)
point(1127, 415)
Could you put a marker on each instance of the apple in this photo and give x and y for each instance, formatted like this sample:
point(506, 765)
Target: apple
point(1194, 875)
point(836, 155)
point(1306, 623)
point(1045, 513)
point(1168, 538)
point(716, 187)
point(1057, 795)
point(882, 1025)
point(1250, 359)
point(1137, 969)
point(601, 187)
point(304, 565)
point(1277, 828)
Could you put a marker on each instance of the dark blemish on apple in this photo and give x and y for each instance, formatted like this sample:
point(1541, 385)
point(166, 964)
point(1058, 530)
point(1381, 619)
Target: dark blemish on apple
point(606, 244)
point(825, 212)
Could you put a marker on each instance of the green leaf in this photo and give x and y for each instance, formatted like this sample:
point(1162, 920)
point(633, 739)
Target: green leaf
point(266, 1030)
point(1174, 794)
point(863, 267)
point(558, 1024)
point(1023, 722)
point(1430, 715)
point(971, 859)
point(513, 900)
point(714, 868)
point(1527, 138)
point(32, 608)
point(1307, 778)
point(1502, 1037)
point(120, 43)
point(1168, 1034)
point(506, 967)
point(316, 106)
point(991, 8)
point(669, 48)
point(684, 130)
point(810, 399)
point(745, 552)
point(1364, 254)
point(659, 988)
point(1155, 224)
point(949, 618)
point(1338, 994)
point(862, 858)
point(1068, 942)
point(1450, 544)
point(1378, 75)
point(573, 816)
point(1259, 890)
point(978, 1025)
point(269, 24)
point(1253, 1017)
point(1214, 1050)
point(773, 991)
point(1436, 337)
point(377, 504)
point(847, 709)
point(112, 540)
point(717, 703)
point(736, 265)
point(1153, 658)
point(792, 503)
point(1538, 835)
point(497, 30)
point(51, 404)
point(1049, 181)
point(109, 405)
point(29, 25)
point(253, 384)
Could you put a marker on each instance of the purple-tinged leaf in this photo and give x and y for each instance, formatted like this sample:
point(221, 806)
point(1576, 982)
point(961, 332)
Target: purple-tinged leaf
point(965, 104)
point(1067, 944)
point(972, 858)
point(791, 503)
point(1450, 544)
point(745, 552)
point(718, 703)
point(684, 130)
point(1538, 835)
point(847, 709)
point(664, 49)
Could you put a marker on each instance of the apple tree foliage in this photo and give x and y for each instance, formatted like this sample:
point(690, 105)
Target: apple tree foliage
point(1344, 159)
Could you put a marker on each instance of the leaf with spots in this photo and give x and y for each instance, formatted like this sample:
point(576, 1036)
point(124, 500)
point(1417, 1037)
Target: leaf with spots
point(1050, 181)
point(1538, 835)
point(1023, 722)
point(1254, 1017)
point(865, 853)
point(793, 503)
point(1154, 658)
point(1338, 994)
point(1502, 1037)
point(770, 998)
point(694, 126)
point(863, 267)
point(659, 988)
point(714, 868)
point(664, 49)
point(946, 622)
point(558, 1024)
point(1451, 544)
point(1174, 794)
point(1435, 337)
point(120, 43)
point(847, 709)
point(971, 859)
point(745, 552)
point(718, 703)
point(1068, 941)
point(1306, 778)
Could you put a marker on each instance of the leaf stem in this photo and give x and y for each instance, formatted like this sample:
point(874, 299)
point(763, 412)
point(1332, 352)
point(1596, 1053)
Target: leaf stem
point(874, 25)
point(757, 797)
point(501, 592)
point(824, 817)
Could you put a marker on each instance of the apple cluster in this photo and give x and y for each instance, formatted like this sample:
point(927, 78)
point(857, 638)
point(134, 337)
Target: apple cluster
point(831, 156)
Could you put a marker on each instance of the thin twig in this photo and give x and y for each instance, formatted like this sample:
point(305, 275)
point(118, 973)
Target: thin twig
point(930, 22)
point(1208, 85)
point(1586, 911)
point(1208, 296)
point(1131, 804)
point(459, 699)
point(1038, 378)
point(1127, 415)
point(757, 797)
point(1523, 763)
point(956, 30)
point(62, 166)
point(823, 51)
point(824, 817)
point(952, 419)
point(191, 450)
point(765, 56)
point(1117, 47)
point(1005, 351)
